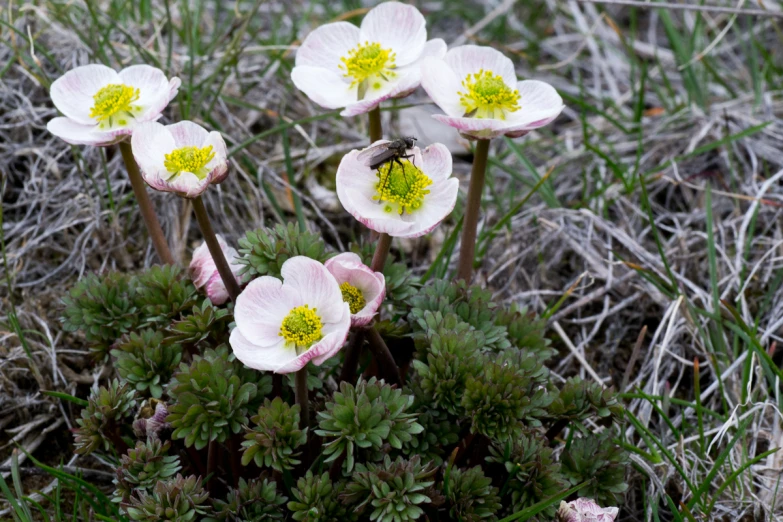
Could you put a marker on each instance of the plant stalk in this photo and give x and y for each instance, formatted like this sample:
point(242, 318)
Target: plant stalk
point(386, 363)
point(214, 249)
point(381, 252)
point(376, 131)
point(467, 249)
point(212, 450)
point(353, 353)
point(145, 205)
point(302, 398)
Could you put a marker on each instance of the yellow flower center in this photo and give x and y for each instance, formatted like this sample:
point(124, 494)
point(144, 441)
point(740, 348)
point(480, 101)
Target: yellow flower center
point(114, 105)
point(353, 296)
point(189, 159)
point(401, 187)
point(301, 327)
point(487, 96)
point(369, 65)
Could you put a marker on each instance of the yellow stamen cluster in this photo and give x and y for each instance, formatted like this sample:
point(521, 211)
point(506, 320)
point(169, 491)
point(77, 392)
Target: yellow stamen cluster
point(487, 96)
point(301, 327)
point(401, 189)
point(353, 296)
point(114, 105)
point(189, 159)
point(369, 65)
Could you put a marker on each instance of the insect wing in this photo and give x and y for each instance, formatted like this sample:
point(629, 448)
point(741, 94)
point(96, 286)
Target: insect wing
point(382, 157)
point(370, 152)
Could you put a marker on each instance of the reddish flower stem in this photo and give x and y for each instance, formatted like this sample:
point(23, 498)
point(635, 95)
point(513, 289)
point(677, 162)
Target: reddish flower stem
point(467, 249)
point(214, 249)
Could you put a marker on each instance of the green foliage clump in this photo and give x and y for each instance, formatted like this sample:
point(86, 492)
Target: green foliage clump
point(507, 396)
point(394, 490)
point(263, 251)
point(142, 467)
point(471, 496)
point(252, 501)
point(533, 473)
point(597, 459)
point(316, 499)
point(176, 500)
point(440, 432)
point(206, 322)
point(210, 398)
point(146, 362)
point(525, 331)
point(102, 307)
point(164, 292)
point(472, 305)
point(579, 399)
point(365, 417)
point(108, 410)
point(453, 356)
point(273, 441)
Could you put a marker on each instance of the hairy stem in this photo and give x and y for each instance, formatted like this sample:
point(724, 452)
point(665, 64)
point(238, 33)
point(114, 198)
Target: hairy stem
point(145, 205)
point(376, 131)
point(381, 252)
point(302, 398)
point(212, 451)
point(467, 249)
point(214, 249)
point(352, 354)
point(387, 365)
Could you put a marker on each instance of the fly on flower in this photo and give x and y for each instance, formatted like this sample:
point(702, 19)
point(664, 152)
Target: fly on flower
point(391, 152)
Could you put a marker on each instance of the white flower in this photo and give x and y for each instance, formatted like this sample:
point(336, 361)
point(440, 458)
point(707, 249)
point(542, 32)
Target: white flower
point(406, 200)
point(204, 272)
point(101, 106)
point(182, 158)
point(362, 288)
point(282, 325)
point(585, 510)
point(341, 65)
point(477, 88)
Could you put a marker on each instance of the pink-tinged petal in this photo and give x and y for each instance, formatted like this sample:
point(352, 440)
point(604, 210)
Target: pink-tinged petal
point(470, 59)
point(218, 166)
point(326, 45)
point(479, 128)
point(216, 289)
point(202, 266)
point(187, 133)
point(323, 86)
point(405, 83)
point(348, 268)
point(346, 259)
point(438, 205)
point(315, 284)
point(150, 142)
point(540, 105)
point(261, 358)
point(436, 161)
point(396, 26)
point(261, 308)
point(77, 134)
point(442, 85)
point(155, 90)
point(72, 93)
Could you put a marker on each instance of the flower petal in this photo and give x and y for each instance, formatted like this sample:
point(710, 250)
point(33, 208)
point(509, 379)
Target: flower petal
point(311, 280)
point(186, 133)
point(261, 308)
point(438, 205)
point(151, 141)
point(470, 59)
point(75, 133)
point(397, 26)
point(442, 85)
point(326, 348)
point(72, 93)
point(540, 105)
point(479, 128)
point(218, 166)
point(436, 161)
point(326, 45)
point(155, 90)
point(202, 266)
point(405, 83)
point(262, 358)
point(435, 48)
point(323, 86)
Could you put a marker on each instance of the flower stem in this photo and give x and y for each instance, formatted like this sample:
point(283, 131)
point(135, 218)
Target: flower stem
point(145, 205)
point(214, 249)
point(352, 354)
point(467, 249)
point(376, 131)
point(302, 398)
point(389, 370)
point(212, 450)
point(381, 252)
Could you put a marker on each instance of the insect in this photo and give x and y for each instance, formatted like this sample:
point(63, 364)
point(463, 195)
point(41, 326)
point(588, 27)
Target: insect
point(390, 152)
